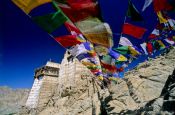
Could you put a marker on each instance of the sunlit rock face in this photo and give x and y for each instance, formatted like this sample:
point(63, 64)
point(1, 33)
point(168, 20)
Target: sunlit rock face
point(144, 89)
point(147, 89)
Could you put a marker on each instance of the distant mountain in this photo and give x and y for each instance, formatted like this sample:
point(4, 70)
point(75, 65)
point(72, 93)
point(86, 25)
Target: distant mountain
point(11, 100)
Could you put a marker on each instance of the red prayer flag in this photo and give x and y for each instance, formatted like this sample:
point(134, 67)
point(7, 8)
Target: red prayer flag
point(72, 28)
point(149, 48)
point(133, 30)
point(121, 69)
point(152, 36)
point(161, 5)
point(79, 11)
point(68, 40)
point(82, 4)
point(109, 67)
point(95, 71)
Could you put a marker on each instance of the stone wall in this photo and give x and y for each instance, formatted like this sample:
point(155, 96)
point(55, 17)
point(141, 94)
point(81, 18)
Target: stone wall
point(46, 79)
point(47, 89)
point(71, 70)
point(33, 97)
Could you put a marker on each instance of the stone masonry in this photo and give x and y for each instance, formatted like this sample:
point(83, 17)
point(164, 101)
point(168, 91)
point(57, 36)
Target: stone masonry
point(45, 81)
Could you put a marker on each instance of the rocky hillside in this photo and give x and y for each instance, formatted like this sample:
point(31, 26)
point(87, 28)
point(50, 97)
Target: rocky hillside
point(148, 89)
point(11, 100)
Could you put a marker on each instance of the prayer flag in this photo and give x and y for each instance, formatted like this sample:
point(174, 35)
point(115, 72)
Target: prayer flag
point(133, 30)
point(51, 22)
point(77, 50)
point(160, 5)
point(146, 4)
point(122, 50)
point(170, 41)
point(28, 5)
point(125, 42)
point(143, 45)
point(149, 47)
point(154, 34)
point(72, 28)
point(68, 40)
point(161, 18)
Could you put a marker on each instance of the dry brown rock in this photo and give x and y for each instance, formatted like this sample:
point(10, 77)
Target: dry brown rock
point(141, 85)
point(140, 88)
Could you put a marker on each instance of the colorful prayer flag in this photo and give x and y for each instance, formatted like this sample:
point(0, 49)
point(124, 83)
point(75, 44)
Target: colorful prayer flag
point(77, 50)
point(101, 50)
point(155, 33)
point(133, 30)
point(160, 5)
point(122, 50)
point(72, 28)
point(146, 4)
point(109, 67)
point(51, 22)
point(114, 54)
point(68, 40)
point(162, 46)
point(143, 45)
point(161, 18)
point(172, 23)
point(122, 58)
point(79, 11)
point(28, 5)
point(170, 41)
point(149, 48)
point(100, 34)
point(125, 42)
point(133, 52)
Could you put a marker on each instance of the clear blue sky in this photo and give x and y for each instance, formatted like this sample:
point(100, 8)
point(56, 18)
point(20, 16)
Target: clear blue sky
point(23, 47)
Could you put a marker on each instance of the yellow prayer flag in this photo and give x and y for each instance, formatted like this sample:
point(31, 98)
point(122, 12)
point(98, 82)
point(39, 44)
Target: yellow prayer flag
point(88, 63)
point(100, 38)
point(133, 51)
point(122, 58)
point(161, 18)
point(161, 44)
point(173, 38)
point(28, 5)
point(100, 78)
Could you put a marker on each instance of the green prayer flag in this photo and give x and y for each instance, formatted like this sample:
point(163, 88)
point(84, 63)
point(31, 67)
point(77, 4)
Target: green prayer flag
point(107, 59)
point(122, 50)
point(51, 22)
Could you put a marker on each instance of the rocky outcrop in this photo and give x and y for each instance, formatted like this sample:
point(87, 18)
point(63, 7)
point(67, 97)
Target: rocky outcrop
point(79, 93)
point(164, 104)
point(11, 100)
point(142, 87)
point(147, 89)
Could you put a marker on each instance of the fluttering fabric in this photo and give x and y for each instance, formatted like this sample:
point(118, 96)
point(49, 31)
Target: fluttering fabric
point(146, 4)
point(69, 40)
point(161, 18)
point(28, 5)
point(160, 5)
point(125, 41)
point(155, 33)
point(51, 22)
point(91, 37)
point(133, 30)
